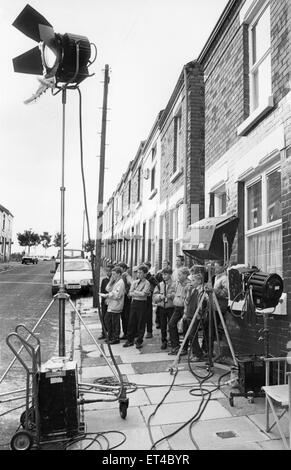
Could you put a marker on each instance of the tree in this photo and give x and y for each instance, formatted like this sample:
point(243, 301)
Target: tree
point(89, 246)
point(46, 239)
point(28, 238)
point(57, 240)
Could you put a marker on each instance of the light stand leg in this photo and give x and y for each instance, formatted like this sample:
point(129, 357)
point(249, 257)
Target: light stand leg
point(224, 328)
point(174, 365)
point(92, 337)
point(32, 331)
point(62, 347)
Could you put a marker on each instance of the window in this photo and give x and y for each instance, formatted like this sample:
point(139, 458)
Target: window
point(177, 141)
point(260, 59)
point(153, 178)
point(152, 240)
point(220, 201)
point(3, 226)
point(264, 223)
point(255, 205)
point(138, 184)
point(154, 152)
point(178, 221)
point(129, 193)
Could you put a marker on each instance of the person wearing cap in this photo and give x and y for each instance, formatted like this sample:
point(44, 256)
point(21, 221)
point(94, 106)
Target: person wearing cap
point(139, 292)
point(179, 304)
point(126, 307)
point(164, 294)
point(115, 300)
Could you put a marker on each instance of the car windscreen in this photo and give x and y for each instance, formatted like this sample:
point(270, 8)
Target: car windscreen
point(77, 265)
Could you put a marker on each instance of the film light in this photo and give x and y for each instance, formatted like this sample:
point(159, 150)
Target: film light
point(64, 57)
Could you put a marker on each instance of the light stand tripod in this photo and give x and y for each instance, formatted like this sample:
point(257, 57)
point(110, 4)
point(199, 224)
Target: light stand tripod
point(62, 296)
point(213, 309)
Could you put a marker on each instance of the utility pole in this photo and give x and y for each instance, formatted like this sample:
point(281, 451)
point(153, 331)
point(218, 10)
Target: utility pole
point(101, 192)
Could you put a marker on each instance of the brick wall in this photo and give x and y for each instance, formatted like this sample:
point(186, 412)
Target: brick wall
point(226, 107)
point(196, 144)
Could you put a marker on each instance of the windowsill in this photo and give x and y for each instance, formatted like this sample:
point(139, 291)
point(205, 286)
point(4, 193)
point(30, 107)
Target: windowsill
point(176, 175)
point(255, 116)
point(153, 194)
point(138, 205)
point(264, 228)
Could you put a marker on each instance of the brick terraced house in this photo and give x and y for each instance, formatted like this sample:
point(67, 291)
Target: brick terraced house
point(222, 146)
point(6, 220)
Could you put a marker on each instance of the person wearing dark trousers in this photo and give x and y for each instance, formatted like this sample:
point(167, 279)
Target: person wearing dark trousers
point(159, 278)
point(164, 294)
point(126, 307)
point(103, 290)
point(139, 292)
point(115, 299)
point(179, 304)
point(193, 295)
point(149, 317)
point(220, 288)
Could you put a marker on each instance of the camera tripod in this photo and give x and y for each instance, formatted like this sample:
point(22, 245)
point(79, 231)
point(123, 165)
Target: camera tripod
point(213, 309)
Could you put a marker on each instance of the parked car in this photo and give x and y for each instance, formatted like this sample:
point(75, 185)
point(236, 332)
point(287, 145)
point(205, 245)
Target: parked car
point(27, 259)
point(69, 254)
point(78, 277)
point(44, 258)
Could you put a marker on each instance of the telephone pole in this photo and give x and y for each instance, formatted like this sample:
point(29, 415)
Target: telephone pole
point(101, 192)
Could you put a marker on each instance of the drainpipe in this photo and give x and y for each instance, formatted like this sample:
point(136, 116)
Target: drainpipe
point(186, 151)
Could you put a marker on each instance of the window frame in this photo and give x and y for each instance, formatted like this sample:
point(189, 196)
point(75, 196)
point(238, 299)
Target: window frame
point(254, 67)
point(177, 141)
point(265, 226)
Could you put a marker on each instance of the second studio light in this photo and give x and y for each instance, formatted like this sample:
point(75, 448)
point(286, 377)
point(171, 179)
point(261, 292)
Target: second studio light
point(63, 57)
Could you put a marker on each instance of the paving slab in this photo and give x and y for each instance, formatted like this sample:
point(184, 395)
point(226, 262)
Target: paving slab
point(162, 378)
point(178, 395)
point(130, 441)
point(231, 433)
point(171, 413)
point(242, 407)
point(107, 420)
point(136, 398)
point(260, 421)
point(104, 371)
point(151, 367)
point(274, 444)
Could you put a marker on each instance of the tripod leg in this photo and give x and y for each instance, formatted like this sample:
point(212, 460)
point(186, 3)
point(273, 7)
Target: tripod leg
point(188, 332)
point(32, 331)
point(225, 328)
point(94, 340)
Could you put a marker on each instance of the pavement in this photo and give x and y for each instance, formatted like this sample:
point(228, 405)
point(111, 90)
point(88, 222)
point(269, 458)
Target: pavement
point(161, 405)
point(219, 427)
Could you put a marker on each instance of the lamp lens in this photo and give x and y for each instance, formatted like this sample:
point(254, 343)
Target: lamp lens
point(49, 57)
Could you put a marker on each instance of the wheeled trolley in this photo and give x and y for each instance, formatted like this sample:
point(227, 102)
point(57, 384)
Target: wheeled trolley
point(51, 407)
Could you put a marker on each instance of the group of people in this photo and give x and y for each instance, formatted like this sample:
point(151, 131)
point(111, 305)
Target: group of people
point(128, 297)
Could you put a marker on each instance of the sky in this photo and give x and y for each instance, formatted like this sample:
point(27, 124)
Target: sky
point(146, 44)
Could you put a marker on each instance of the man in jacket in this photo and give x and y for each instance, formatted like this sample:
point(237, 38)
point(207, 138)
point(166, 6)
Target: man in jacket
point(179, 304)
point(194, 293)
point(115, 301)
point(104, 284)
point(149, 316)
point(126, 307)
point(163, 297)
point(139, 292)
